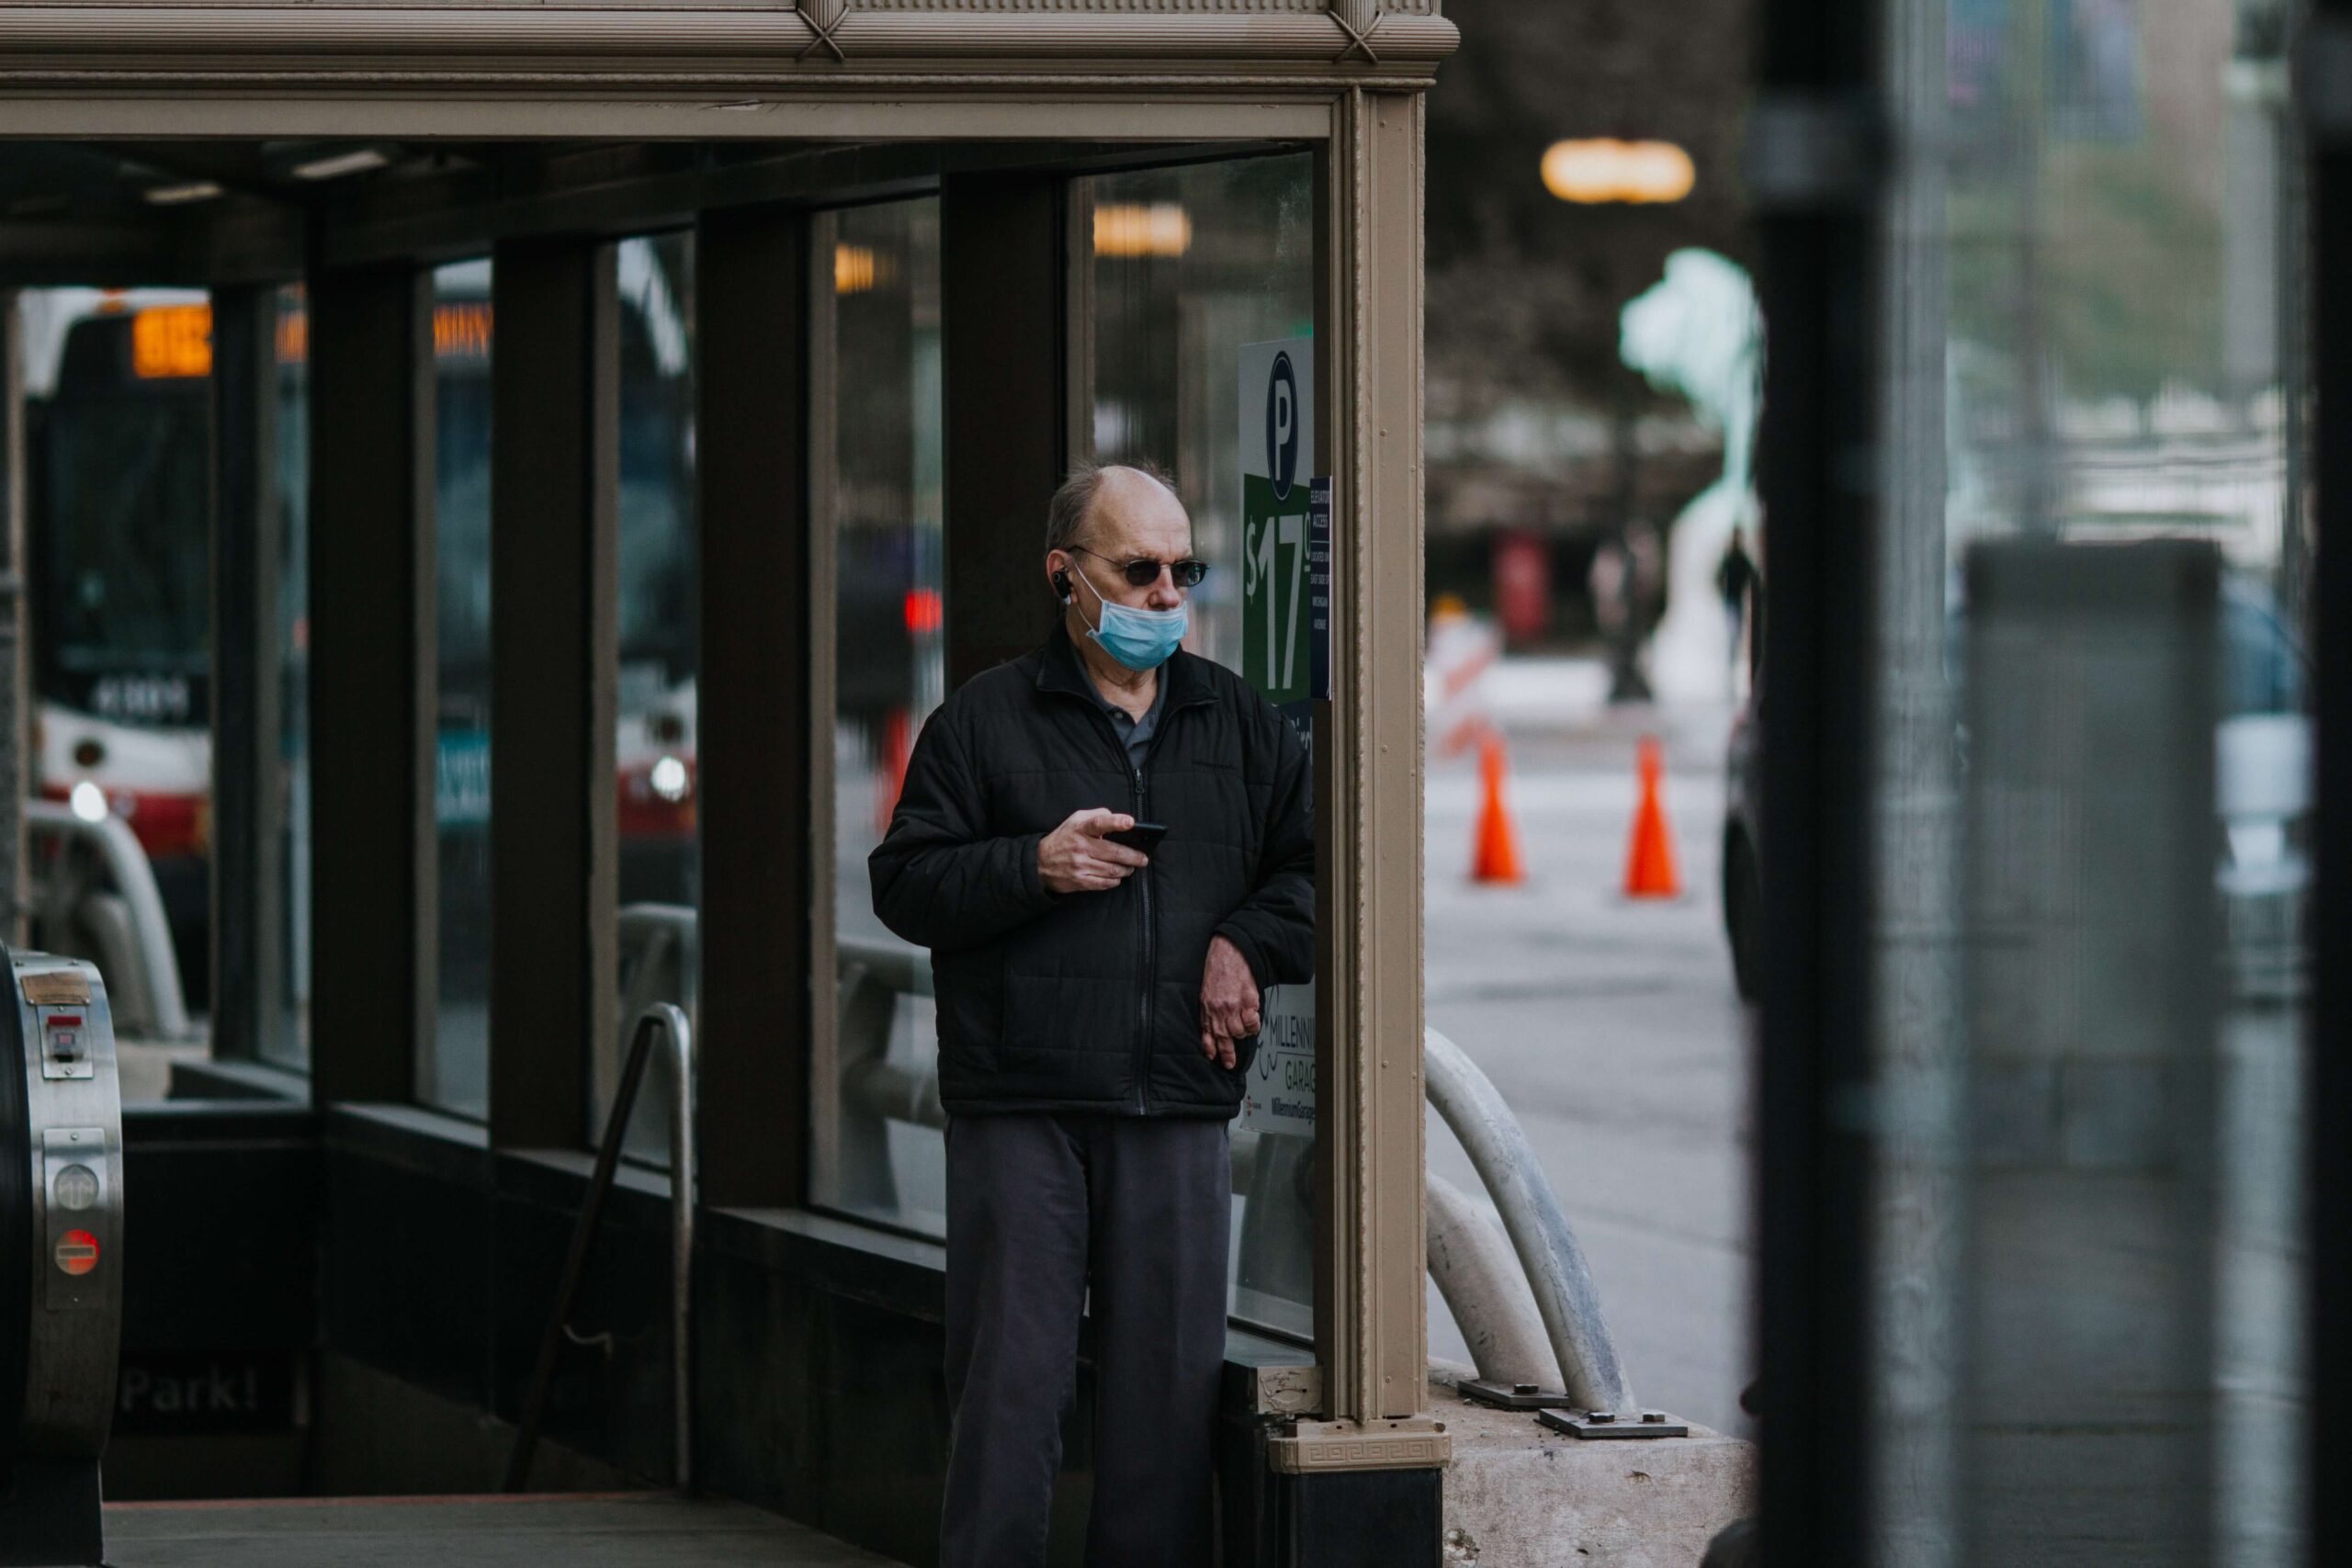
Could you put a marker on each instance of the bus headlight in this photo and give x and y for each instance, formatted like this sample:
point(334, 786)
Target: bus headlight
point(88, 802)
point(668, 779)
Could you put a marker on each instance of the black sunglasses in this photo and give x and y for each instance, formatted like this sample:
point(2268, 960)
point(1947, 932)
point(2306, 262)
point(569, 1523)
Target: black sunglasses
point(1143, 571)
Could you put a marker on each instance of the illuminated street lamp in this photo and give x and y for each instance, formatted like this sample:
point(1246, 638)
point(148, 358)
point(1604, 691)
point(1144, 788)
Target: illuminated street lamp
point(1603, 169)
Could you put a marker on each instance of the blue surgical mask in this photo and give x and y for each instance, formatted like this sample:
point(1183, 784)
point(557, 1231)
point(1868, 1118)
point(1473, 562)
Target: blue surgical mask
point(1140, 639)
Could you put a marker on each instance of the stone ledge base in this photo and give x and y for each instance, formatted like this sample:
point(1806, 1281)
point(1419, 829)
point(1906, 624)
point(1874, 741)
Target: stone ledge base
point(1518, 1496)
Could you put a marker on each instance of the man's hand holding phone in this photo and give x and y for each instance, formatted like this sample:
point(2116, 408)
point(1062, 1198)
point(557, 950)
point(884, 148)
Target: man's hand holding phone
point(1081, 856)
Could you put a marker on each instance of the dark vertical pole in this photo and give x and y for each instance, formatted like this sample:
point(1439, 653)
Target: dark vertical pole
point(554, 478)
point(1811, 161)
point(2328, 1062)
point(248, 773)
point(372, 680)
point(16, 725)
point(1002, 326)
point(753, 723)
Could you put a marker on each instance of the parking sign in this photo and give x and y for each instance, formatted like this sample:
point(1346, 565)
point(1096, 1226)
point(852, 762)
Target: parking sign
point(1278, 458)
point(1285, 599)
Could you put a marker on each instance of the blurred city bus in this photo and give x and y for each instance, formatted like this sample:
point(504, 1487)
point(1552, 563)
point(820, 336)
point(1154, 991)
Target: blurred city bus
point(118, 600)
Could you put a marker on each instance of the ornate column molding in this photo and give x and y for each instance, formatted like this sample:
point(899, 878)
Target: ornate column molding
point(1358, 19)
point(824, 19)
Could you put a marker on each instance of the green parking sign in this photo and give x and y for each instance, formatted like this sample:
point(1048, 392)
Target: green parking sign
point(1277, 448)
point(1277, 655)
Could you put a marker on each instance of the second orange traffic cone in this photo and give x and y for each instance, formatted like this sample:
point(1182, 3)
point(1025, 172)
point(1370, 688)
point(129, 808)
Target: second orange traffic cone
point(1649, 865)
point(1493, 853)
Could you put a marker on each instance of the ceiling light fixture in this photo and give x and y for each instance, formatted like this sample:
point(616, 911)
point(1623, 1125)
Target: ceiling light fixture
point(341, 163)
point(188, 191)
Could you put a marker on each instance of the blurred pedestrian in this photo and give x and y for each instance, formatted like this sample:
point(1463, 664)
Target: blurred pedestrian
point(1614, 582)
point(1736, 579)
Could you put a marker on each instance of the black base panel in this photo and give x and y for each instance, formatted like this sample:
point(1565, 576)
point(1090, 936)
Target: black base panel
point(1365, 1519)
point(49, 1514)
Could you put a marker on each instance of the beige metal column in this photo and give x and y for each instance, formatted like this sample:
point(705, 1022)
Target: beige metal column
point(1371, 1335)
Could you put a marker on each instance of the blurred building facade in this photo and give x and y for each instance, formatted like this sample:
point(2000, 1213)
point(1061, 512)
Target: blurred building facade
point(1540, 444)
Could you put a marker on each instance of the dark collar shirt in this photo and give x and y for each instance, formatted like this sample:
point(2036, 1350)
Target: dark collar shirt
point(1134, 733)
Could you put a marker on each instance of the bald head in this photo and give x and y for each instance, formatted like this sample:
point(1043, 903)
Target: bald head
point(1122, 488)
point(1105, 515)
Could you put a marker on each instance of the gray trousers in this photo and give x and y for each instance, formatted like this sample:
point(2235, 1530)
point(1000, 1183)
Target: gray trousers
point(1040, 1207)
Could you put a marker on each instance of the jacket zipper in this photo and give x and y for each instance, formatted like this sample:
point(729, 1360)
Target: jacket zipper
point(1141, 1060)
point(1150, 960)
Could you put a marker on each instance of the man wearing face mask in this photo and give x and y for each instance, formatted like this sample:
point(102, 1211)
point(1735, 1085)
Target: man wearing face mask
point(1098, 1009)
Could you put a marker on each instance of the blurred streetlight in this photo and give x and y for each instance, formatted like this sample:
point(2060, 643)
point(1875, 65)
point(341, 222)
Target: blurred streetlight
point(1603, 169)
point(1139, 229)
point(853, 269)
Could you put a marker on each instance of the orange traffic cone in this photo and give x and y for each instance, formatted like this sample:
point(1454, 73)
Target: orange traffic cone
point(1649, 868)
point(1494, 855)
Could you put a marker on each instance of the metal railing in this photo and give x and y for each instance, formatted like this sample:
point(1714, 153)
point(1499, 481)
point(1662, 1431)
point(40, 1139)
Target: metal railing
point(657, 948)
point(666, 1020)
point(126, 923)
point(1555, 1264)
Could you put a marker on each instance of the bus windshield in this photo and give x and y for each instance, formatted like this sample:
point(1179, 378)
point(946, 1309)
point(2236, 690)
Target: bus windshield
point(121, 538)
point(119, 555)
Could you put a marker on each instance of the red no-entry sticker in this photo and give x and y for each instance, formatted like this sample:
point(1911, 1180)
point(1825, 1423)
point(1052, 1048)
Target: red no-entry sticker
point(77, 1252)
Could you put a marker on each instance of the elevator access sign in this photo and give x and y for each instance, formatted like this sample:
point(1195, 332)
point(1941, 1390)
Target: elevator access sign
point(1285, 573)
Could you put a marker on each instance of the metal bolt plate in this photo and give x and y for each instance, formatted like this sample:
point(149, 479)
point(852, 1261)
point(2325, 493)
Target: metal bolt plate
point(1513, 1395)
point(1613, 1424)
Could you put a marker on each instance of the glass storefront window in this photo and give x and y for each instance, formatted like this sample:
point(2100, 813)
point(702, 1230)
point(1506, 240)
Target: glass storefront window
point(876, 454)
point(654, 729)
point(118, 534)
point(1192, 271)
point(118, 447)
point(1187, 265)
point(454, 1074)
point(288, 1041)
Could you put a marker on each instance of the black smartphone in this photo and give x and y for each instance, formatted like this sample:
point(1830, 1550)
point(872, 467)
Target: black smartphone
point(1144, 836)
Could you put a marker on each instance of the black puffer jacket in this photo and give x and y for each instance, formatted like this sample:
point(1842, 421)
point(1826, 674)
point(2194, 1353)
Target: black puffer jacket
point(1091, 1001)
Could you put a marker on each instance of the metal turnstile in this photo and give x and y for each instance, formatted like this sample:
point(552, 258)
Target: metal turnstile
point(61, 1258)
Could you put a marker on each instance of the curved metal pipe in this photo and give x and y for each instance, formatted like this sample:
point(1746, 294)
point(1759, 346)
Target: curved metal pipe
point(1547, 1248)
point(1471, 1260)
point(118, 850)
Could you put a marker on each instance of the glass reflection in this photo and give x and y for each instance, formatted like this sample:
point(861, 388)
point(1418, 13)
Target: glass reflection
point(288, 1042)
point(455, 1073)
point(2090, 1278)
point(876, 461)
point(654, 729)
point(1188, 269)
point(119, 434)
